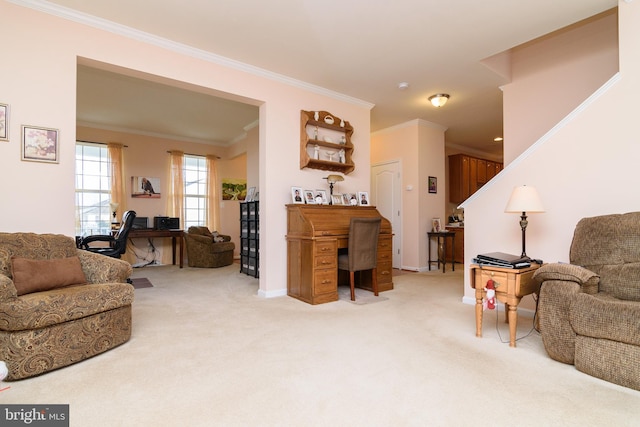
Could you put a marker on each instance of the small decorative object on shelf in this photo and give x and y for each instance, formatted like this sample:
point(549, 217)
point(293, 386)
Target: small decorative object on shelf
point(322, 136)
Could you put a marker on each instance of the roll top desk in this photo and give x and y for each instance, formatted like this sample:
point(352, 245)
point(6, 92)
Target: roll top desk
point(315, 233)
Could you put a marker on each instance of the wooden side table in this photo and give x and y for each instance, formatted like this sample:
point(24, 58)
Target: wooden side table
point(442, 256)
point(511, 286)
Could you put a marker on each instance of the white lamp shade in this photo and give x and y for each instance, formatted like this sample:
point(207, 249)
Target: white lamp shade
point(524, 199)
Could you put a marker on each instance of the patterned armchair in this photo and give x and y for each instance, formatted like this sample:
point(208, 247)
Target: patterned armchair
point(58, 304)
point(206, 249)
point(590, 309)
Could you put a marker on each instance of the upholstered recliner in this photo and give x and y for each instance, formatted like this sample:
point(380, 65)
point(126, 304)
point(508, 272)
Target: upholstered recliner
point(206, 249)
point(590, 309)
point(58, 304)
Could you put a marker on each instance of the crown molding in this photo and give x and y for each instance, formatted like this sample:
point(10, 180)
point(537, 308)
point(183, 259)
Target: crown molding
point(178, 138)
point(132, 33)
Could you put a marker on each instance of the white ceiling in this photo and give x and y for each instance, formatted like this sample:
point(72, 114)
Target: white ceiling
point(361, 49)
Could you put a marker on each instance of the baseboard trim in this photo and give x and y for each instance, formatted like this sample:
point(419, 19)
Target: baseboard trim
point(272, 294)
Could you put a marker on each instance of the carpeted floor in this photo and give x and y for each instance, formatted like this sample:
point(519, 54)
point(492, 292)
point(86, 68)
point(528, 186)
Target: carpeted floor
point(207, 351)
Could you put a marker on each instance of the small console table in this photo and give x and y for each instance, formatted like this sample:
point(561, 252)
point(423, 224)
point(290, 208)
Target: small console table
point(512, 285)
point(441, 238)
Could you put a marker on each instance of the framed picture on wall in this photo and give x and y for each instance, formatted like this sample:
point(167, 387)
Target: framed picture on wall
point(145, 187)
point(433, 184)
point(39, 144)
point(4, 122)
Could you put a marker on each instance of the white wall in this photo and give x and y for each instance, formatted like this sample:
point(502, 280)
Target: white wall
point(39, 82)
point(419, 146)
point(584, 167)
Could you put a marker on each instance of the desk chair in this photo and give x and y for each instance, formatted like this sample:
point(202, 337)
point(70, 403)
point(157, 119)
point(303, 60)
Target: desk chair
point(117, 242)
point(362, 251)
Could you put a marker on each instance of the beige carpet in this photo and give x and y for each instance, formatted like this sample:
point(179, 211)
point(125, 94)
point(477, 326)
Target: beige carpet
point(206, 351)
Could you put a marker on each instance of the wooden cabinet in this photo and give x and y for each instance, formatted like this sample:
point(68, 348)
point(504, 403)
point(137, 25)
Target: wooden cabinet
point(458, 255)
point(315, 234)
point(468, 174)
point(250, 238)
point(323, 138)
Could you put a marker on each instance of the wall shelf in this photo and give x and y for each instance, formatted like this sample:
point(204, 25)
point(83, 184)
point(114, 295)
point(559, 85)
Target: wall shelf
point(315, 132)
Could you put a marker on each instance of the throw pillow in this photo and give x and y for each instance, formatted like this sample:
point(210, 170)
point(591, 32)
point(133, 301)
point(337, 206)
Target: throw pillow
point(42, 275)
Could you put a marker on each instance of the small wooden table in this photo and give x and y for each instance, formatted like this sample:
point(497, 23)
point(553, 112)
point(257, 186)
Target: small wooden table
point(511, 286)
point(442, 257)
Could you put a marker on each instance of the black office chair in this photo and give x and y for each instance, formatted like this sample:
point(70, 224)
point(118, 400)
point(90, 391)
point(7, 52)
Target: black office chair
point(117, 242)
point(362, 251)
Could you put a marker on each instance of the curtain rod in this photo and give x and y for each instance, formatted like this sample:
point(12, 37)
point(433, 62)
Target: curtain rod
point(100, 143)
point(201, 155)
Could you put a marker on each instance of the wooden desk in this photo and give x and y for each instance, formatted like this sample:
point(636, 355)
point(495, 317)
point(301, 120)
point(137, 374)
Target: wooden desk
point(174, 234)
point(314, 235)
point(442, 255)
point(512, 285)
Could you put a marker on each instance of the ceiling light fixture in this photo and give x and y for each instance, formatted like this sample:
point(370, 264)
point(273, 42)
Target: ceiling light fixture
point(403, 85)
point(438, 100)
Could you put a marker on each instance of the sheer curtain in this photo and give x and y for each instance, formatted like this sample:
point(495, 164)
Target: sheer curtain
point(116, 159)
point(175, 197)
point(213, 214)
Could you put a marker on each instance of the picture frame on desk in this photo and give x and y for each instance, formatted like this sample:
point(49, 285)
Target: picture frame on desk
point(336, 199)
point(250, 194)
point(296, 196)
point(363, 198)
point(436, 225)
point(323, 195)
point(309, 197)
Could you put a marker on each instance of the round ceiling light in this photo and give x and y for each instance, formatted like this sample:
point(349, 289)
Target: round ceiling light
point(439, 99)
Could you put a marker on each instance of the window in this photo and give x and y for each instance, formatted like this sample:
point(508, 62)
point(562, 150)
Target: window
point(195, 191)
point(93, 189)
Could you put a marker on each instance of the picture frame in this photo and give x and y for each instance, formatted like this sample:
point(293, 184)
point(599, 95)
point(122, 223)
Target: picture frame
point(336, 199)
point(145, 187)
point(349, 199)
point(433, 184)
point(309, 197)
point(436, 225)
point(251, 192)
point(323, 195)
point(363, 198)
point(40, 144)
point(4, 122)
point(296, 196)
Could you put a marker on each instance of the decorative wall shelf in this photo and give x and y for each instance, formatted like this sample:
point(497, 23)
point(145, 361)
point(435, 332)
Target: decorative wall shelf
point(330, 134)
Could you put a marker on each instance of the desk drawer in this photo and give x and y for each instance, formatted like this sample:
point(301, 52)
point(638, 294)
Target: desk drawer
point(384, 272)
point(325, 281)
point(329, 261)
point(327, 247)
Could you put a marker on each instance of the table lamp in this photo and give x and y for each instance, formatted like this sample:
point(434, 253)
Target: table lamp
point(114, 208)
point(524, 199)
point(332, 179)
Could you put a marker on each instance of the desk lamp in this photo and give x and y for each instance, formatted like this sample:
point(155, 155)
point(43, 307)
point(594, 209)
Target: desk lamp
point(114, 208)
point(524, 199)
point(332, 179)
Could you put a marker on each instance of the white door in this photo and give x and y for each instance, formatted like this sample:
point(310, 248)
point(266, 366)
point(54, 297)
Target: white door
point(386, 196)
